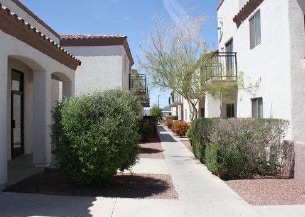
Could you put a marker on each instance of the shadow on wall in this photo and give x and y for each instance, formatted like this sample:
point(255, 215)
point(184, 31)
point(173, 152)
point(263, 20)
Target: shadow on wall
point(302, 5)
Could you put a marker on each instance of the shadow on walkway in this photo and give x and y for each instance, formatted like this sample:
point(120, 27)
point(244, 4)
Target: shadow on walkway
point(164, 135)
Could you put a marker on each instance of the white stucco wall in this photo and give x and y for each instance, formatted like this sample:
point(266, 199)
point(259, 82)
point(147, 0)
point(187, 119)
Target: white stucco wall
point(21, 13)
point(297, 68)
point(102, 68)
point(277, 61)
point(37, 68)
point(212, 106)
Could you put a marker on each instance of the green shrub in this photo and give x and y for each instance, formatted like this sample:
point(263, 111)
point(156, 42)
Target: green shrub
point(148, 127)
point(200, 131)
point(239, 148)
point(156, 112)
point(96, 135)
point(180, 127)
point(188, 133)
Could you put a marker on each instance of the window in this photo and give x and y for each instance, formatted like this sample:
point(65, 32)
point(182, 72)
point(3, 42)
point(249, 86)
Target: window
point(255, 30)
point(257, 108)
point(230, 110)
point(229, 56)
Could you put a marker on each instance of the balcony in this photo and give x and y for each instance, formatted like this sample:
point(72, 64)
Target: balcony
point(138, 85)
point(175, 100)
point(223, 67)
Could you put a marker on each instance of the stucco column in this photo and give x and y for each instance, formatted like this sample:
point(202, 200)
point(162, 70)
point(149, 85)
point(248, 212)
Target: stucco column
point(42, 119)
point(4, 142)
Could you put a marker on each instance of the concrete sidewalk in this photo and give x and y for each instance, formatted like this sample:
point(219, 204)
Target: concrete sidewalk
point(200, 194)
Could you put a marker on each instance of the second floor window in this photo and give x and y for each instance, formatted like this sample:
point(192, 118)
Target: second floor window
point(255, 30)
point(229, 57)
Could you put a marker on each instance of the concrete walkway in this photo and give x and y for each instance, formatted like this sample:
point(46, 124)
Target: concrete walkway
point(200, 194)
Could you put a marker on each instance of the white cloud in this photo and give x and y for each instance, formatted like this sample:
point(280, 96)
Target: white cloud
point(175, 10)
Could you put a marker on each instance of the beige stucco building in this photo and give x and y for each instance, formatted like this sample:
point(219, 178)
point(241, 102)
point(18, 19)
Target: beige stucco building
point(37, 68)
point(268, 39)
point(106, 61)
point(31, 63)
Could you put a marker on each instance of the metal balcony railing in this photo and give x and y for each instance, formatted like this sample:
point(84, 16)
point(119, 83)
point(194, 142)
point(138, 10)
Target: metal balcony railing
point(175, 99)
point(138, 84)
point(223, 66)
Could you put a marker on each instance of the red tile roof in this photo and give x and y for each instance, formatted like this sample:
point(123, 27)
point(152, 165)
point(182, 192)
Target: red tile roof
point(15, 26)
point(29, 12)
point(71, 40)
point(246, 10)
point(219, 4)
point(91, 36)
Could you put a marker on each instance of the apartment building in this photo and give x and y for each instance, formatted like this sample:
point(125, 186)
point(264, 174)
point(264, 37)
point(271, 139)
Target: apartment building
point(32, 64)
point(268, 39)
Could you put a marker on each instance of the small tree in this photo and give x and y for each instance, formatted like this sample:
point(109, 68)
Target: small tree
point(177, 58)
point(155, 111)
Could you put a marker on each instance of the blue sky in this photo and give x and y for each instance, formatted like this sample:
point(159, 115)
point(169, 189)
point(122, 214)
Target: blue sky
point(133, 18)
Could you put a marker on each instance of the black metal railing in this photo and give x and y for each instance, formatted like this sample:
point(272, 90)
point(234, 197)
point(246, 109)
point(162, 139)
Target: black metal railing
point(223, 66)
point(175, 99)
point(138, 84)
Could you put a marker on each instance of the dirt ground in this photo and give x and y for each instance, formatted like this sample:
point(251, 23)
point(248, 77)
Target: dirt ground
point(153, 186)
point(267, 191)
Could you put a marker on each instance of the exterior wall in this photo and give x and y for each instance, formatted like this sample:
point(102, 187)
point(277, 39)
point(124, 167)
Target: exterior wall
point(274, 72)
point(297, 68)
point(277, 62)
point(37, 69)
point(29, 18)
point(4, 121)
point(185, 115)
point(212, 106)
point(103, 68)
point(125, 72)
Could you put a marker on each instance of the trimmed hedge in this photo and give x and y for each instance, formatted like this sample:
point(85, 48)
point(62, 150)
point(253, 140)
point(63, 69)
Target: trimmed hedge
point(96, 135)
point(239, 148)
point(148, 127)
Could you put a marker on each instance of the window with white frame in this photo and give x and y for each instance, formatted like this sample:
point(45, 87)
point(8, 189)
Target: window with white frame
point(255, 29)
point(257, 107)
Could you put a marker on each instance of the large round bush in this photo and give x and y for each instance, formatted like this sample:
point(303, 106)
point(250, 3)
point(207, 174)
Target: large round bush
point(96, 135)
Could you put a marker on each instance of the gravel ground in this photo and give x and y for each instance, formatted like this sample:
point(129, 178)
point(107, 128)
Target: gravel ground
point(121, 185)
point(267, 191)
point(270, 191)
point(151, 149)
point(152, 186)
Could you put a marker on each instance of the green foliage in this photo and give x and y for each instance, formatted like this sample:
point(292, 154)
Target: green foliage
point(155, 111)
point(239, 148)
point(180, 127)
point(188, 133)
point(200, 130)
point(148, 127)
point(96, 135)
